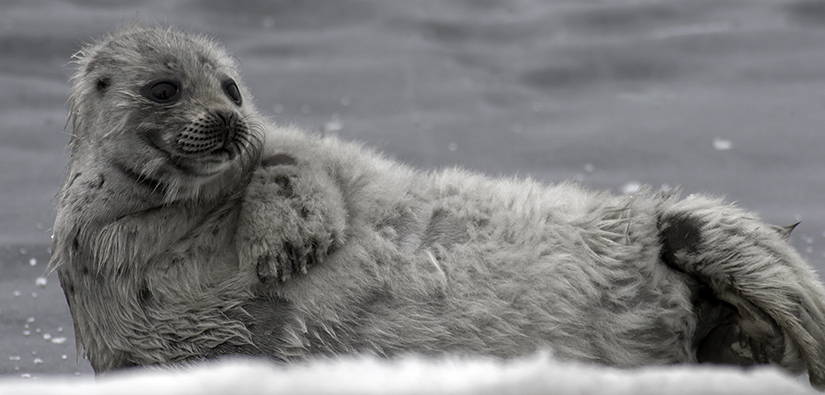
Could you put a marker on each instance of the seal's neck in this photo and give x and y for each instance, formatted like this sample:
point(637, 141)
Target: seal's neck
point(110, 219)
point(111, 242)
point(103, 222)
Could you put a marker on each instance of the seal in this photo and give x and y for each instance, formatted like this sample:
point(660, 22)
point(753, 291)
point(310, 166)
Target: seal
point(189, 228)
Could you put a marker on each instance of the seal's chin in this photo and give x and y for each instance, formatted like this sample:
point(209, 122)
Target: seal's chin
point(202, 168)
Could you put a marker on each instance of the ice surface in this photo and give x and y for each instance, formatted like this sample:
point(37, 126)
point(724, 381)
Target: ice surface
point(535, 375)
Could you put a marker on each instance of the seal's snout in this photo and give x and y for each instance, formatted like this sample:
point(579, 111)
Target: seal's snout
point(216, 132)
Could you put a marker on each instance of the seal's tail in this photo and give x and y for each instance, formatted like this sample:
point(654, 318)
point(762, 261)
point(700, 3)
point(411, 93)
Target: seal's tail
point(756, 299)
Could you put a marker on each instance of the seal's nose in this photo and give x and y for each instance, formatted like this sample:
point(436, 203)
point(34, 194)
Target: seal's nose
point(228, 130)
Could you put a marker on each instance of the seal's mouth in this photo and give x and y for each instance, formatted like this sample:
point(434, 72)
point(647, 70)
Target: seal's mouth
point(206, 164)
point(203, 167)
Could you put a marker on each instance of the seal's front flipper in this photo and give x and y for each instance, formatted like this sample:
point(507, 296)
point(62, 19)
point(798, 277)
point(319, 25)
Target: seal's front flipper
point(293, 216)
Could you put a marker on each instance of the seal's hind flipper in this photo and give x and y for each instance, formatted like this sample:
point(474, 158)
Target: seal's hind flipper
point(756, 299)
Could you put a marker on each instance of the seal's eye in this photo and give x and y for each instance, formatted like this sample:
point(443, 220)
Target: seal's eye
point(232, 91)
point(162, 91)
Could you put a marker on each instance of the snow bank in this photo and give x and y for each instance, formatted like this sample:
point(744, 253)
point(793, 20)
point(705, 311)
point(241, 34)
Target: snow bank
point(536, 375)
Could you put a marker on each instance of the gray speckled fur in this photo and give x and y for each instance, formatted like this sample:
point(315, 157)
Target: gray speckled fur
point(308, 246)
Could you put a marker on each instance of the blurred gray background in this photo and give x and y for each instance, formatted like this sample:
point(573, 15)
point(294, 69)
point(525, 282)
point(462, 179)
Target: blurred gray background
point(718, 96)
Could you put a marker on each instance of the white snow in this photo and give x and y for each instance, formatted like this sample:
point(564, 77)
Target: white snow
point(333, 126)
point(631, 187)
point(722, 145)
point(535, 375)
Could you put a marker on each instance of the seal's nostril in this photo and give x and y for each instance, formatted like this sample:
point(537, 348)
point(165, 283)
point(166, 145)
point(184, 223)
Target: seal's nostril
point(227, 130)
point(223, 117)
point(227, 117)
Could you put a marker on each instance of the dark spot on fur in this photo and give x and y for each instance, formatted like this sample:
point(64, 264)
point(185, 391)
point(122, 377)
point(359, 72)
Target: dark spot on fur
point(145, 296)
point(294, 263)
point(304, 213)
point(444, 229)
point(286, 185)
point(312, 255)
point(279, 160)
point(265, 318)
point(206, 62)
point(679, 234)
point(263, 270)
point(103, 84)
point(481, 222)
point(373, 302)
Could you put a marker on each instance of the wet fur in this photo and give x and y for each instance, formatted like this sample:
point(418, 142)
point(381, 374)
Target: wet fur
point(315, 246)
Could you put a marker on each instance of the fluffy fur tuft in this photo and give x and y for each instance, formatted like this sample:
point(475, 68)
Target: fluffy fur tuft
point(301, 246)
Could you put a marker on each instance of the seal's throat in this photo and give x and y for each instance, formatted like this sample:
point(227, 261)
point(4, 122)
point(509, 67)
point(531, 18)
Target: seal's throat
point(138, 278)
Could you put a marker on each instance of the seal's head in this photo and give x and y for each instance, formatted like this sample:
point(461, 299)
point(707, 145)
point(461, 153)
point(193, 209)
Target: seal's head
point(165, 109)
